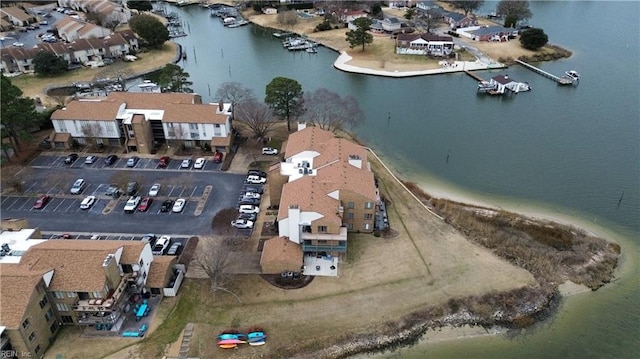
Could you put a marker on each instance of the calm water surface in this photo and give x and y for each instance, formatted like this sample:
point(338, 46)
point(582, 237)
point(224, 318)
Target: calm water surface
point(570, 152)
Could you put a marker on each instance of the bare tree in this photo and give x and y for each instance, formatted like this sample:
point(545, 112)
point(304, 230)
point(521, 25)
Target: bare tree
point(329, 111)
point(287, 18)
point(177, 133)
point(214, 259)
point(93, 131)
point(257, 116)
point(234, 93)
point(61, 100)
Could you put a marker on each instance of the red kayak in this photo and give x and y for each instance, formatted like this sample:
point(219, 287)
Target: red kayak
point(230, 341)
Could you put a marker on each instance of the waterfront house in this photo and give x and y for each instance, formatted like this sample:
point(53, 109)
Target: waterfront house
point(108, 11)
point(456, 20)
point(141, 121)
point(491, 33)
point(391, 24)
point(348, 16)
point(324, 189)
point(424, 44)
point(269, 11)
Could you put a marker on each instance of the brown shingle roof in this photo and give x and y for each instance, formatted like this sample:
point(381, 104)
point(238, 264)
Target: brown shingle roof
point(78, 263)
point(17, 286)
point(88, 110)
point(282, 250)
point(158, 270)
point(311, 138)
point(311, 196)
point(17, 12)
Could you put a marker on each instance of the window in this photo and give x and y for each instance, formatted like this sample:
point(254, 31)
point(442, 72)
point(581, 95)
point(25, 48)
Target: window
point(43, 302)
point(322, 241)
point(53, 327)
point(96, 295)
point(71, 294)
point(350, 205)
point(127, 268)
point(48, 315)
point(110, 130)
point(37, 349)
point(63, 126)
point(368, 216)
point(62, 307)
point(141, 262)
point(58, 294)
point(25, 324)
point(368, 205)
point(193, 126)
point(67, 319)
point(32, 336)
point(350, 215)
point(350, 226)
point(322, 229)
point(366, 226)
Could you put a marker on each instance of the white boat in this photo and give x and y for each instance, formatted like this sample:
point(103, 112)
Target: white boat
point(572, 74)
point(147, 84)
point(311, 50)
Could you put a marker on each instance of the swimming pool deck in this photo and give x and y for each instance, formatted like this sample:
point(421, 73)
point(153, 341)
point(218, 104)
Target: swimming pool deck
point(446, 67)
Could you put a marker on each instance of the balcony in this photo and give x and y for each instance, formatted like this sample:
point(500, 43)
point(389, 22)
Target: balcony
point(107, 304)
point(97, 318)
point(340, 236)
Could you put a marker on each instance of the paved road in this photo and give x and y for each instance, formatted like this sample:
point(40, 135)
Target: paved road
point(49, 175)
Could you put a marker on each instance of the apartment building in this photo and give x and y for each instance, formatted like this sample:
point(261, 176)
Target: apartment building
point(324, 189)
point(142, 121)
point(49, 283)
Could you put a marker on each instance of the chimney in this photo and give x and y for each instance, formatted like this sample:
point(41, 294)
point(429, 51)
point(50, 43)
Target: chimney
point(302, 126)
point(220, 105)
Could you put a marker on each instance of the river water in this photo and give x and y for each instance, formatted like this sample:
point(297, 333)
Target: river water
point(571, 153)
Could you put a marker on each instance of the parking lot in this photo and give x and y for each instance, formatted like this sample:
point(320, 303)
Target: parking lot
point(206, 192)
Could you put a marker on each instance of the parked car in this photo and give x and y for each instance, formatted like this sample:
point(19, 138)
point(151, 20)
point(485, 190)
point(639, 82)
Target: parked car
point(88, 202)
point(111, 159)
point(132, 188)
point(18, 44)
point(178, 206)
point(174, 249)
point(254, 188)
point(252, 201)
point(78, 186)
point(253, 179)
point(248, 208)
point(71, 158)
point(251, 195)
point(155, 189)
point(145, 204)
point(131, 162)
point(186, 163)
point(161, 245)
point(132, 204)
point(257, 173)
point(90, 160)
point(149, 238)
point(217, 157)
point(166, 205)
point(164, 161)
point(199, 163)
point(242, 223)
point(269, 151)
point(112, 190)
point(250, 216)
point(41, 202)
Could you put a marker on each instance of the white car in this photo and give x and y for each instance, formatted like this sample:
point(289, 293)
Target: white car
point(90, 160)
point(155, 189)
point(253, 179)
point(18, 44)
point(186, 163)
point(161, 245)
point(78, 186)
point(199, 163)
point(269, 151)
point(251, 195)
point(242, 223)
point(88, 202)
point(178, 206)
point(249, 208)
point(132, 204)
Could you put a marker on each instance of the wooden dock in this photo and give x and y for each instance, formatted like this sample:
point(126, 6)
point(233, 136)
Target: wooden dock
point(559, 80)
point(490, 90)
point(478, 78)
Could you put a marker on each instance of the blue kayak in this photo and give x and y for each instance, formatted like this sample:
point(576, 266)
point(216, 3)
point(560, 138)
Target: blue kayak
point(257, 339)
point(231, 336)
point(256, 334)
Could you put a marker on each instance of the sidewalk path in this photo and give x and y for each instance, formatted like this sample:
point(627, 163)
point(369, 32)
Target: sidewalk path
point(456, 66)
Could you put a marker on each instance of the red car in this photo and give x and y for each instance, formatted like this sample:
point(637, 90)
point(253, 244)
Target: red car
point(145, 204)
point(41, 202)
point(164, 161)
point(217, 157)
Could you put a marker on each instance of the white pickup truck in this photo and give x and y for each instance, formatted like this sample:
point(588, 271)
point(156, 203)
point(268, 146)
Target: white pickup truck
point(132, 204)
